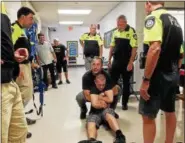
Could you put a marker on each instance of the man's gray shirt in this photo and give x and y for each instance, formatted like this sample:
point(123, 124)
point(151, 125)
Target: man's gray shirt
point(44, 52)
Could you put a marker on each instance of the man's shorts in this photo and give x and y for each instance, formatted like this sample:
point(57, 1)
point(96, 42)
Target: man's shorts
point(162, 93)
point(14, 126)
point(98, 118)
point(61, 65)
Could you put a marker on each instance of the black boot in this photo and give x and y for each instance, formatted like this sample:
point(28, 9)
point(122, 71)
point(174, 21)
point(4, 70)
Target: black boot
point(29, 135)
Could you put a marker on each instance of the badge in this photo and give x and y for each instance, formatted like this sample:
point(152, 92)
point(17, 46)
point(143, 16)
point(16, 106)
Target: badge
point(135, 36)
point(12, 29)
point(150, 22)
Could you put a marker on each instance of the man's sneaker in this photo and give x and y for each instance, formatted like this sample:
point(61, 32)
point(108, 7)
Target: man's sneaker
point(89, 141)
point(54, 86)
point(67, 81)
point(83, 115)
point(60, 82)
point(124, 107)
point(120, 139)
point(29, 135)
point(83, 112)
point(30, 121)
point(116, 116)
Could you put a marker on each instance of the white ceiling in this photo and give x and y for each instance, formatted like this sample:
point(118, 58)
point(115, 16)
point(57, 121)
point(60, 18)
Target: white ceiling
point(50, 17)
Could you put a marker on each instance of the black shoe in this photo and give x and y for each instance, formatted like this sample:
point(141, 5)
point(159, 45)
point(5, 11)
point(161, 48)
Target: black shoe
point(89, 141)
point(29, 135)
point(30, 121)
point(67, 81)
point(120, 139)
point(116, 116)
point(124, 107)
point(60, 82)
point(54, 86)
point(83, 115)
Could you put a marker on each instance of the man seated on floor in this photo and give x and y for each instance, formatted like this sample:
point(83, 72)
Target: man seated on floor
point(88, 83)
point(101, 98)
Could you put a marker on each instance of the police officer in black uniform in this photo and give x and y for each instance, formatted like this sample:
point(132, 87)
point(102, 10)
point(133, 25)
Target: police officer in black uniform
point(123, 48)
point(164, 36)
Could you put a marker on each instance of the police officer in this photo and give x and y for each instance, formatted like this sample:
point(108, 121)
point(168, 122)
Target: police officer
point(24, 80)
point(123, 48)
point(14, 127)
point(92, 45)
point(164, 36)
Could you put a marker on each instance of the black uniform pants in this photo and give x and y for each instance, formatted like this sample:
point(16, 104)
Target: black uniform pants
point(119, 70)
point(52, 73)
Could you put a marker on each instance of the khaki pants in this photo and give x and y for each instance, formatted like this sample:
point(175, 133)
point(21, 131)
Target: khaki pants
point(26, 84)
point(88, 61)
point(14, 126)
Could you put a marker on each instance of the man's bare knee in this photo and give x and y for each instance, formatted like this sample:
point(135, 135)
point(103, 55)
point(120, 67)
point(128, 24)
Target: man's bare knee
point(91, 126)
point(147, 120)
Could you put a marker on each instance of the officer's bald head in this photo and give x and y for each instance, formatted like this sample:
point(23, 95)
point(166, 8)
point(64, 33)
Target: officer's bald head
point(121, 22)
point(93, 28)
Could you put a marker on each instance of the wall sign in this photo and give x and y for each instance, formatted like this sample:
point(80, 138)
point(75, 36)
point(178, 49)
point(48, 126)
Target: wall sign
point(73, 48)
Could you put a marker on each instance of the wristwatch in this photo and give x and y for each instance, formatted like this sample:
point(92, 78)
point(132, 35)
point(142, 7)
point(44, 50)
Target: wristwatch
point(145, 78)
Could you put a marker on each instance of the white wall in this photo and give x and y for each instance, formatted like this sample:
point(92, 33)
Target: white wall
point(65, 35)
point(109, 21)
point(12, 8)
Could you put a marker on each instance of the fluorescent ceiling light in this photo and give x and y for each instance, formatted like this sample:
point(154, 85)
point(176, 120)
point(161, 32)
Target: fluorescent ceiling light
point(71, 22)
point(71, 11)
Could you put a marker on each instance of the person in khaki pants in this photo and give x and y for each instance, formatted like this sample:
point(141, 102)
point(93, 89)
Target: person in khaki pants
point(24, 80)
point(14, 127)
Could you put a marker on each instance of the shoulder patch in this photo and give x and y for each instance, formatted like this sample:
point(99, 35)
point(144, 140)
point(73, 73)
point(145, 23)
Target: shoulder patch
point(150, 22)
point(135, 36)
point(12, 29)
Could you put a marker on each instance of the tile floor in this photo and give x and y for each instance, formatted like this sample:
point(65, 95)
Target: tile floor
point(61, 123)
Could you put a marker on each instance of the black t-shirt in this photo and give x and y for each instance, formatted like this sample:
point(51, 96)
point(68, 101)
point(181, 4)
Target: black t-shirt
point(60, 52)
point(88, 80)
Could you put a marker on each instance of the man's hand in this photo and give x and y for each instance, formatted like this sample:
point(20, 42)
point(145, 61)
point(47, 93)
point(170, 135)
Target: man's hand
point(21, 54)
point(55, 60)
point(144, 90)
point(2, 62)
point(21, 75)
point(103, 104)
point(130, 66)
point(35, 66)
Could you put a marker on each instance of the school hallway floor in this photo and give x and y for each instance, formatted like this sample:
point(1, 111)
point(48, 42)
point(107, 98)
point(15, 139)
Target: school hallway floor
point(61, 123)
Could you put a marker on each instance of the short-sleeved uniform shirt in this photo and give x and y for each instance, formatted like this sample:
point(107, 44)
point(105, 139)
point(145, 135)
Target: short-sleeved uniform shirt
point(163, 27)
point(60, 52)
point(91, 44)
point(123, 42)
point(88, 80)
point(44, 52)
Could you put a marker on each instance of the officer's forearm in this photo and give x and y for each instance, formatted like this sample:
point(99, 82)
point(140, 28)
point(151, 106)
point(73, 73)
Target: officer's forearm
point(133, 55)
point(152, 59)
point(101, 51)
point(110, 53)
point(81, 43)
